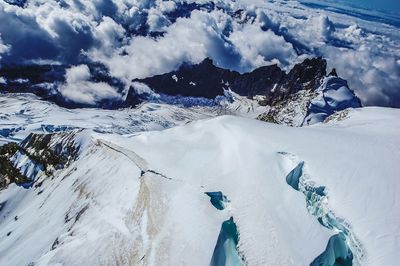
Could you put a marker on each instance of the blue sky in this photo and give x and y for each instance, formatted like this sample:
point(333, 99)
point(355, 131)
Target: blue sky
point(389, 5)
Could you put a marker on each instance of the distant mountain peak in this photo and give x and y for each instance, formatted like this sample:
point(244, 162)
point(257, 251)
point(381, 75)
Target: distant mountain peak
point(211, 81)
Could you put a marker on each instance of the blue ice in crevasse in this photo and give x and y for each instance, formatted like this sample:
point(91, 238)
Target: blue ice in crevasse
point(7, 132)
point(343, 247)
point(226, 252)
point(293, 178)
point(337, 253)
point(217, 199)
point(53, 128)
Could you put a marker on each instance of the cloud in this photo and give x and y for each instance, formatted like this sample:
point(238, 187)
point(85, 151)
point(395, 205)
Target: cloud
point(316, 29)
point(366, 53)
point(258, 48)
point(115, 33)
point(375, 77)
point(107, 34)
point(360, 57)
point(3, 48)
point(189, 39)
point(60, 30)
point(204, 34)
point(28, 34)
point(79, 89)
point(156, 20)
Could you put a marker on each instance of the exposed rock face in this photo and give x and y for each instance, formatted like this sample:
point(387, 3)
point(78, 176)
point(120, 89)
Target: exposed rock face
point(290, 111)
point(8, 173)
point(37, 79)
point(207, 80)
point(304, 76)
point(202, 80)
point(38, 153)
point(288, 94)
point(51, 150)
point(308, 107)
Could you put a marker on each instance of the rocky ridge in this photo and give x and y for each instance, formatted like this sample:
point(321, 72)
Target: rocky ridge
point(21, 163)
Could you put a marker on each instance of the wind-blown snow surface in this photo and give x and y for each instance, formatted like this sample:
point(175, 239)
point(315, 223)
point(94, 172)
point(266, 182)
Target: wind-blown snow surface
point(140, 198)
point(21, 114)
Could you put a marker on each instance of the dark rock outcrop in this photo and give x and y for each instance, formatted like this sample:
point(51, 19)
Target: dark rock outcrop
point(37, 79)
point(208, 81)
point(46, 152)
point(8, 172)
point(51, 150)
point(203, 80)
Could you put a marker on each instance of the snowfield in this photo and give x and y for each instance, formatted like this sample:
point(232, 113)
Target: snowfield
point(140, 198)
point(21, 114)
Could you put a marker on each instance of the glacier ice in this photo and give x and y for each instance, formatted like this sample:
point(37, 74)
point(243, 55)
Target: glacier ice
point(217, 199)
point(230, 154)
point(341, 246)
point(337, 253)
point(334, 95)
point(293, 178)
point(226, 251)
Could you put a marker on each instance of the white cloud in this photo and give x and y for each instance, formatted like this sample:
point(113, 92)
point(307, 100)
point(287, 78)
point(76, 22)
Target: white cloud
point(195, 38)
point(3, 48)
point(141, 88)
point(79, 88)
point(316, 29)
point(364, 52)
point(190, 40)
point(258, 48)
point(167, 6)
point(375, 77)
point(156, 20)
point(107, 33)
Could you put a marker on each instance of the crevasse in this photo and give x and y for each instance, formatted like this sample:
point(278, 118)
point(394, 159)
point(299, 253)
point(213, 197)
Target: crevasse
point(343, 248)
point(226, 251)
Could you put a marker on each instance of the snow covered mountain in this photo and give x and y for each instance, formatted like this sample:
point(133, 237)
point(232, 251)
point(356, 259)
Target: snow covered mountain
point(284, 194)
point(180, 132)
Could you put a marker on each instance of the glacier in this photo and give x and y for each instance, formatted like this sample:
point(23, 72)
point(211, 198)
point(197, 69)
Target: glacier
point(144, 194)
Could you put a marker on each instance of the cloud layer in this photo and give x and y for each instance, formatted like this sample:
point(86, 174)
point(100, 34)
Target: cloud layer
point(136, 39)
point(79, 89)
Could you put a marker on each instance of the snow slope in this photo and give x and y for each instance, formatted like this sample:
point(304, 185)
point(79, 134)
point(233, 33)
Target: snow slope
point(140, 199)
point(21, 114)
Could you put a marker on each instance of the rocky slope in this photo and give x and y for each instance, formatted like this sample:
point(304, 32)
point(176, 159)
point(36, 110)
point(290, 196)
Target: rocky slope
point(308, 107)
point(204, 80)
point(209, 81)
point(303, 96)
point(39, 154)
